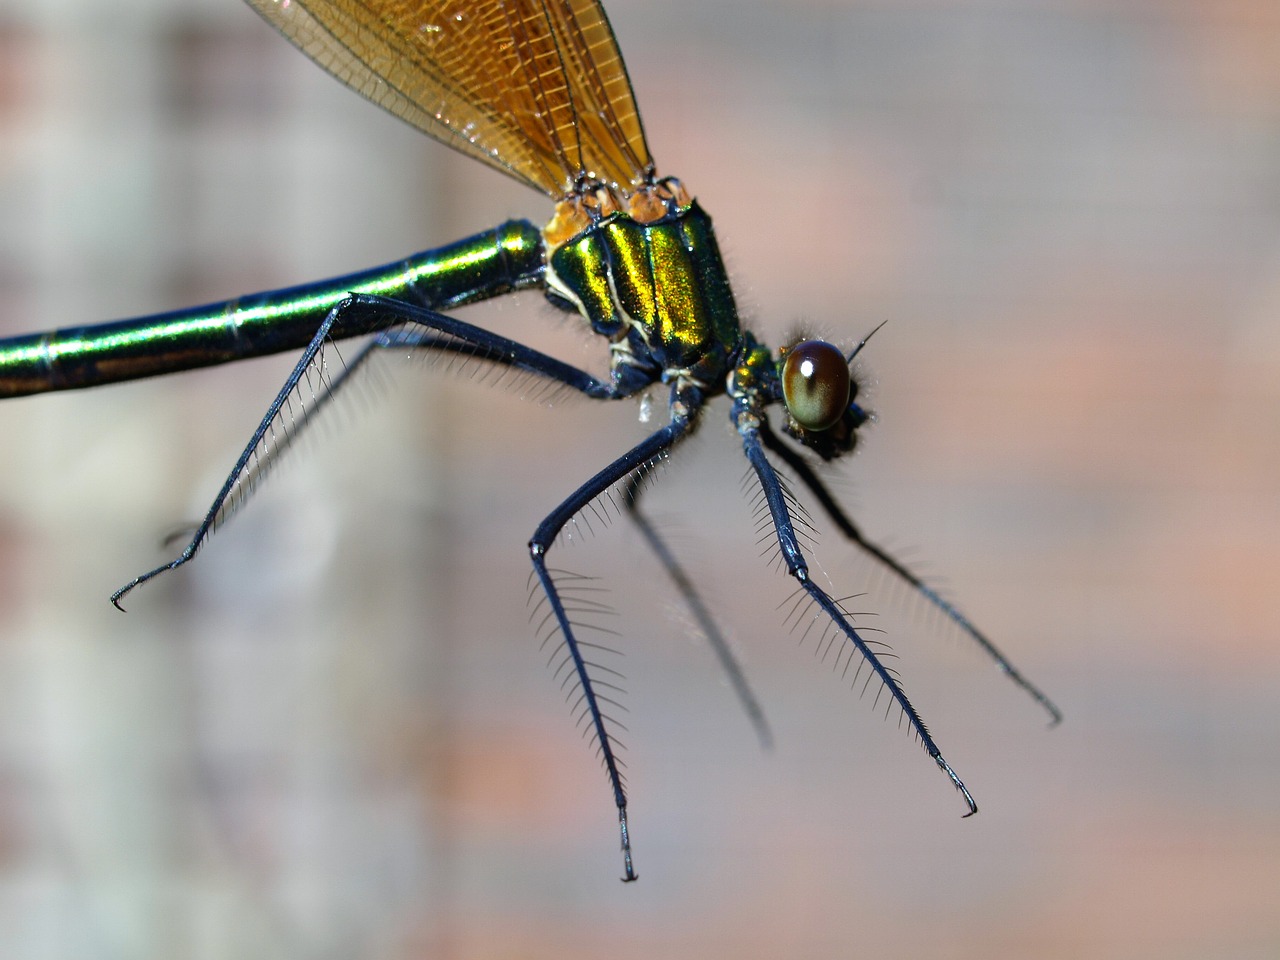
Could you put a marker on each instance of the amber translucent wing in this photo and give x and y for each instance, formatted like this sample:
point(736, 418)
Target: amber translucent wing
point(535, 88)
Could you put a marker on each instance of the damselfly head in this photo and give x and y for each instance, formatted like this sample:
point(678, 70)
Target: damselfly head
point(818, 391)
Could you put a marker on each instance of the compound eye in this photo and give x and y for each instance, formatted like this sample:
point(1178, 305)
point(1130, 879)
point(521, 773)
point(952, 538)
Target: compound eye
point(816, 384)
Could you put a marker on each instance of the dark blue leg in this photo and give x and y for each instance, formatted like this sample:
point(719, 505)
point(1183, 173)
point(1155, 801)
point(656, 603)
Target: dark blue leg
point(802, 470)
point(707, 623)
point(427, 330)
point(545, 536)
point(798, 568)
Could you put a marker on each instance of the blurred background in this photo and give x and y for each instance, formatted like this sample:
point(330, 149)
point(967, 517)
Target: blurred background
point(334, 735)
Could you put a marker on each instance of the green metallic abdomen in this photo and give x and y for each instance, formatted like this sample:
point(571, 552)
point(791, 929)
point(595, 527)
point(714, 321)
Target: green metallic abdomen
point(509, 257)
point(662, 282)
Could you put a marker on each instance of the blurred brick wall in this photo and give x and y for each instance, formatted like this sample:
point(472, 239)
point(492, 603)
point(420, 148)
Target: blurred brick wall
point(334, 736)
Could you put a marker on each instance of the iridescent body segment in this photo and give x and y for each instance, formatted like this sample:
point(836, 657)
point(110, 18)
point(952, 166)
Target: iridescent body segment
point(658, 290)
point(497, 261)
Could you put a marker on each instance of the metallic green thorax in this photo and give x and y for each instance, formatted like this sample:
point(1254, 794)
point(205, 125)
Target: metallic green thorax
point(497, 261)
point(657, 290)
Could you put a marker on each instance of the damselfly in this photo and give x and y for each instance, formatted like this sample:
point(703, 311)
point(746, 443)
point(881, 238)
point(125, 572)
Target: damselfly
point(538, 90)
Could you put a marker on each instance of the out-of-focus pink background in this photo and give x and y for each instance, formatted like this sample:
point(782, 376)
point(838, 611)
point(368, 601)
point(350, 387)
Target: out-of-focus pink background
point(334, 736)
